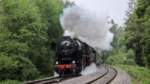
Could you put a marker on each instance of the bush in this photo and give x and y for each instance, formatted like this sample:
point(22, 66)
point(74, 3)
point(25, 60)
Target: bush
point(18, 68)
point(118, 58)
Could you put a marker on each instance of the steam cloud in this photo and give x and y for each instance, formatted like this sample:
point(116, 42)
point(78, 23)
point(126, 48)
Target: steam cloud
point(86, 21)
point(90, 69)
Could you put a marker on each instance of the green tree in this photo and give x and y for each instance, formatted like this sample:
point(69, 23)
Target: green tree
point(50, 13)
point(137, 32)
point(119, 51)
point(27, 28)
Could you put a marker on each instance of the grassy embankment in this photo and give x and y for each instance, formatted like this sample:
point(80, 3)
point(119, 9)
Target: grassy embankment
point(140, 75)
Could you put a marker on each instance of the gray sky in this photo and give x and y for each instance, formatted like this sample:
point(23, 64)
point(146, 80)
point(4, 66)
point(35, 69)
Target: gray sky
point(114, 8)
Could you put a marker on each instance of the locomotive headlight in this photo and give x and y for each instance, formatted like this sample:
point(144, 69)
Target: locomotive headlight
point(56, 62)
point(73, 62)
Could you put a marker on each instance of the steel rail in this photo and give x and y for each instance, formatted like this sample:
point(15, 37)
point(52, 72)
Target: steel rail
point(107, 78)
point(40, 80)
point(114, 75)
point(108, 75)
point(98, 77)
point(86, 79)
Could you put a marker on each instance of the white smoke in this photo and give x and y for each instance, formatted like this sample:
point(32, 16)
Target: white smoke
point(56, 74)
point(67, 33)
point(86, 21)
point(89, 69)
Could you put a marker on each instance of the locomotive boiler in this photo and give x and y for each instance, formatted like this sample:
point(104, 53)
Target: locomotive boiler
point(72, 55)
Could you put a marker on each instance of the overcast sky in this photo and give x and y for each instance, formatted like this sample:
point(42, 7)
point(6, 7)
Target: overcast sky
point(114, 8)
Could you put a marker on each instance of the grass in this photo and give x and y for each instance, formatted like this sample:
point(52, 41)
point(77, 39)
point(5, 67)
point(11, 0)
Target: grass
point(140, 75)
point(10, 82)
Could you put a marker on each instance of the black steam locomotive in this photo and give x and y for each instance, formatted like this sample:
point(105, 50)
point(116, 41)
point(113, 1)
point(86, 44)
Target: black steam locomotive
point(72, 56)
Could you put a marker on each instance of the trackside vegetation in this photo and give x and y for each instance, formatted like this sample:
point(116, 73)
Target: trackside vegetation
point(27, 28)
point(131, 44)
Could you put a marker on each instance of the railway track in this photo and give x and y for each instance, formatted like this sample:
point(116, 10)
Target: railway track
point(48, 80)
point(104, 76)
point(107, 78)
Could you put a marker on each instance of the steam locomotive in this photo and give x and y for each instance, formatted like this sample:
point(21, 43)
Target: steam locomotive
point(72, 55)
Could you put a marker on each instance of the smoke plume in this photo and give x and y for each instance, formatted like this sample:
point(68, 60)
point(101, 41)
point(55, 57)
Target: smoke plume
point(86, 21)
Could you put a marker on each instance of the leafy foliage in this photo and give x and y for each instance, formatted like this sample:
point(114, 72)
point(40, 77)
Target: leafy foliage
point(137, 32)
point(27, 28)
point(119, 54)
point(16, 68)
point(133, 41)
point(132, 44)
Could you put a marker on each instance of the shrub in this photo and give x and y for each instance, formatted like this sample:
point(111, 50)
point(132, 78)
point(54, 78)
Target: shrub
point(18, 68)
